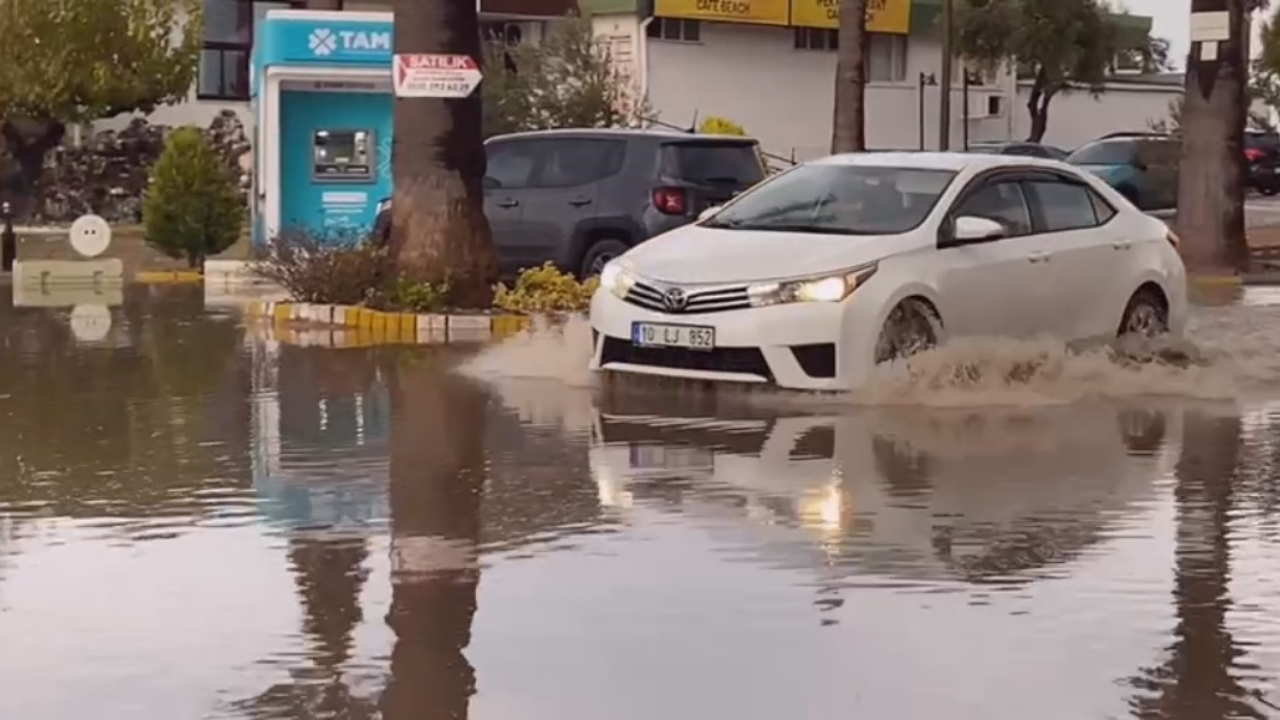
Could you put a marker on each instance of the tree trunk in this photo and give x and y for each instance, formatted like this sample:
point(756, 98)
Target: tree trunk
point(1212, 175)
point(439, 233)
point(849, 124)
point(28, 141)
point(436, 488)
point(1038, 108)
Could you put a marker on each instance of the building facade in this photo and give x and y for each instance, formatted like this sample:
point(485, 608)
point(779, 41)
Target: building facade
point(768, 65)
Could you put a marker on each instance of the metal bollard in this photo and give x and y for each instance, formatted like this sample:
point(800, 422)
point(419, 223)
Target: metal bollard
point(8, 240)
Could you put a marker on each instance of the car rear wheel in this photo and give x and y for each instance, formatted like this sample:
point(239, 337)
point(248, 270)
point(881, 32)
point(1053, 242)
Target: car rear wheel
point(912, 327)
point(598, 255)
point(1146, 316)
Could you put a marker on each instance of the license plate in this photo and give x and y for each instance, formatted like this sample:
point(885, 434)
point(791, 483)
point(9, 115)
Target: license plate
point(689, 337)
point(663, 457)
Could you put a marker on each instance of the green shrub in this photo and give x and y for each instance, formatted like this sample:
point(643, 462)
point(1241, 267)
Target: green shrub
point(192, 208)
point(419, 297)
point(546, 289)
point(333, 268)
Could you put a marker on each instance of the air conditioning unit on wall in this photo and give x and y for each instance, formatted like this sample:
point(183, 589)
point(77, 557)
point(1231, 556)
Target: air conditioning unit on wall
point(987, 105)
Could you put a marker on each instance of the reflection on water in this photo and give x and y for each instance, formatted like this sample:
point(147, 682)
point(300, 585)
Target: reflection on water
point(198, 522)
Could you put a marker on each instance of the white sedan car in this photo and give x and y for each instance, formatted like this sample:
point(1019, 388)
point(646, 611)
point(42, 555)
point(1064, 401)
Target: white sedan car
point(813, 277)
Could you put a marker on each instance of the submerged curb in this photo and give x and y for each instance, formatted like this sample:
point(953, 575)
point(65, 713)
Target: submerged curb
point(351, 326)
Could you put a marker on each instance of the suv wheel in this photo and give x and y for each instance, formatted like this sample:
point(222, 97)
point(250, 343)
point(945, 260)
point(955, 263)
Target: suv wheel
point(599, 255)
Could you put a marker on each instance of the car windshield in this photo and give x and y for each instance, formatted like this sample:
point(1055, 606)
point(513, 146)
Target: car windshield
point(838, 200)
point(1110, 152)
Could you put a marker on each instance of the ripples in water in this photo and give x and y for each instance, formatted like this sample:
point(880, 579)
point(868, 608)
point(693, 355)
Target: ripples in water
point(198, 522)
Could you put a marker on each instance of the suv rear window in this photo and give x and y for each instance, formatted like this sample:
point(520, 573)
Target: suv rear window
point(1262, 141)
point(713, 163)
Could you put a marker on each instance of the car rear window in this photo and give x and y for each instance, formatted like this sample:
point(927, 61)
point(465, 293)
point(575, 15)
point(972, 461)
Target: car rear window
point(1107, 152)
point(713, 163)
point(1262, 141)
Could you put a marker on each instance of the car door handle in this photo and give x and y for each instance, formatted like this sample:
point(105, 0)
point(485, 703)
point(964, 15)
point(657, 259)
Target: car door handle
point(508, 203)
point(1121, 245)
point(1039, 257)
point(580, 201)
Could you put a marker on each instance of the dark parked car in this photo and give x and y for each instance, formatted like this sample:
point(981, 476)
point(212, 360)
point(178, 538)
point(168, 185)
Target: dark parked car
point(580, 198)
point(1262, 159)
point(1025, 149)
point(1142, 167)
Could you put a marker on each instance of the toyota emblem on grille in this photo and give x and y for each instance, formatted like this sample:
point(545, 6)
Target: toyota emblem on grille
point(675, 299)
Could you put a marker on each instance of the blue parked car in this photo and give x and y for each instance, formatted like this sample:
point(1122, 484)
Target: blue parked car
point(1143, 168)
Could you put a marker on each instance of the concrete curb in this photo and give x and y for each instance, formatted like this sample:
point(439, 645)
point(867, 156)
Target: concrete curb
point(160, 277)
point(351, 326)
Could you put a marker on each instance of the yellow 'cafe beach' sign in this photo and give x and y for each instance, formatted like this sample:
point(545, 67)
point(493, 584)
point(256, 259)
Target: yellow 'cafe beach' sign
point(883, 16)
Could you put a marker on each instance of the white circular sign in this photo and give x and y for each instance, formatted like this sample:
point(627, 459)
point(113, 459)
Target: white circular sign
point(90, 235)
point(90, 323)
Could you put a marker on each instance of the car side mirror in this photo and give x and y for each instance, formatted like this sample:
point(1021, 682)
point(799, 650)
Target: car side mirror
point(708, 213)
point(970, 229)
point(489, 183)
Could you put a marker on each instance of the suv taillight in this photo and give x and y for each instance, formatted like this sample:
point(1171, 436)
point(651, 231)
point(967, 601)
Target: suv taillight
point(1253, 154)
point(670, 201)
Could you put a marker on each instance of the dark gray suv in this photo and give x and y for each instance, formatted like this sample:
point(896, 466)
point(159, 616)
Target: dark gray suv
point(580, 198)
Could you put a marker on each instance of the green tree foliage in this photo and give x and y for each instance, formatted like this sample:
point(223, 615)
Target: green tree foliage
point(1058, 44)
point(566, 80)
point(73, 61)
point(192, 209)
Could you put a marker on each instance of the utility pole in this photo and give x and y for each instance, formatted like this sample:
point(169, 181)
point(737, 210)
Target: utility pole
point(1210, 213)
point(944, 103)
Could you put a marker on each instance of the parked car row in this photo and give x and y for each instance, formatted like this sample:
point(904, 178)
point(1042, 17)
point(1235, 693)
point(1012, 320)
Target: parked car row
point(580, 198)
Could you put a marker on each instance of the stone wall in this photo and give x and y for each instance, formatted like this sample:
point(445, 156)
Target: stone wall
point(107, 173)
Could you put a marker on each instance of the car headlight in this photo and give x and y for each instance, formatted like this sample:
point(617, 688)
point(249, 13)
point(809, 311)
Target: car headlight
point(615, 279)
point(826, 288)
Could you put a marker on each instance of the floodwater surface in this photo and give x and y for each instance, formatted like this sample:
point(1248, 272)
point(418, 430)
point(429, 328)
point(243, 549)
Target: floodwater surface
point(200, 521)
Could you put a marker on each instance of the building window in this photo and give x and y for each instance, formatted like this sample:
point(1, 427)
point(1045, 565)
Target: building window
point(886, 58)
point(228, 38)
point(886, 54)
point(817, 39)
point(675, 29)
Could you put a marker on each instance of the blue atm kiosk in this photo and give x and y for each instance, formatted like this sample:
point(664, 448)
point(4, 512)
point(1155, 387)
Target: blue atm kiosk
point(323, 106)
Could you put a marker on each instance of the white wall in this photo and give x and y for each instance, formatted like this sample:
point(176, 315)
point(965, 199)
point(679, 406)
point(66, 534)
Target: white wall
point(1078, 117)
point(784, 96)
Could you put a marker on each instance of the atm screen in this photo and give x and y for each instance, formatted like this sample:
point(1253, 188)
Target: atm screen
point(343, 154)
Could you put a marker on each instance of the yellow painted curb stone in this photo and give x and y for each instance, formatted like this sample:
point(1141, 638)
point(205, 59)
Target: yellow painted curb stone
point(1216, 280)
point(168, 276)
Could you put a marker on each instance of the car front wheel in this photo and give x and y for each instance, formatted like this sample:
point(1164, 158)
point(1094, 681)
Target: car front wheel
point(1145, 316)
point(912, 327)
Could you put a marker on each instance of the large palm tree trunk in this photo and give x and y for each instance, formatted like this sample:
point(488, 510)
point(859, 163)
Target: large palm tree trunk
point(849, 124)
point(1212, 175)
point(438, 229)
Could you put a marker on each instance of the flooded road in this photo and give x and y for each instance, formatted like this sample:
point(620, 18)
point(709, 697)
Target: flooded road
point(197, 521)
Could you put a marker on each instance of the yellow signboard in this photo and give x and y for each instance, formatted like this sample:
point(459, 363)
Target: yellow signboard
point(883, 16)
point(760, 12)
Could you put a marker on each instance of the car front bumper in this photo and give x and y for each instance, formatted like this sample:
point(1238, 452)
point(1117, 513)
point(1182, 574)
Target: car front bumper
point(801, 346)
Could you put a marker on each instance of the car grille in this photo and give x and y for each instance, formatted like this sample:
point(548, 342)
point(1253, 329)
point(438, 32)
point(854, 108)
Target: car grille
point(742, 361)
point(708, 300)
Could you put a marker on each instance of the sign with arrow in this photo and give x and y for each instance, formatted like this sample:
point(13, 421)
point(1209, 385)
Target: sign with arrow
point(435, 76)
